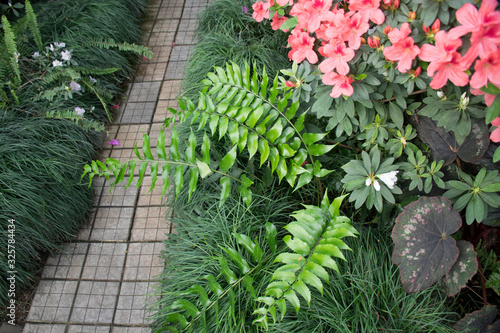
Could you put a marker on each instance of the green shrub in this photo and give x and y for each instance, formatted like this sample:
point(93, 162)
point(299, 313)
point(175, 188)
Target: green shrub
point(40, 168)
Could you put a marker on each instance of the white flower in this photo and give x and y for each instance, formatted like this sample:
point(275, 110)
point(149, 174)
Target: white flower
point(79, 111)
point(66, 55)
point(56, 63)
point(36, 55)
point(389, 178)
point(369, 181)
point(51, 47)
point(464, 101)
point(92, 79)
point(75, 86)
point(441, 95)
point(59, 45)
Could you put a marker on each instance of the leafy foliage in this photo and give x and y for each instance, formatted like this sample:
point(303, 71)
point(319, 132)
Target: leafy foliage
point(424, 250)
point(322, 228)
point(317, 234)
point(252, 117)
point(476, 194)
point(479, 321)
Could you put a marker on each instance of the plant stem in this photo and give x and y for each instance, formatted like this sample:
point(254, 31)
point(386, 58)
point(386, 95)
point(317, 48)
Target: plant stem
point(483, 283)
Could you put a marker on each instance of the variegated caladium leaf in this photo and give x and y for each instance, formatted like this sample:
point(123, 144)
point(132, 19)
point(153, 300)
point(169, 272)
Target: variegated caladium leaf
point(480, 321)
point(463, 270)
point(423, 248)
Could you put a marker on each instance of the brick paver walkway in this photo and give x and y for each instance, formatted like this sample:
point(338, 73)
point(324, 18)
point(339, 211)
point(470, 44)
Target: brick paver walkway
point(100, 281)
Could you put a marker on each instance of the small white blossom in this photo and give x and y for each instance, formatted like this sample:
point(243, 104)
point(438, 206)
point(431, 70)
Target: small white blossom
point(92, 79)
point(66, 55)
point(441, 94)
point(75, 86)
point(57, 63)
point(389, 178)
point(51, 47)
point(79, 111)
point(59, 45)
point(369, 181)
point(36, 55)
point(464, 101)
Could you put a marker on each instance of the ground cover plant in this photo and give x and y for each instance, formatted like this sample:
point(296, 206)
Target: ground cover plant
point(407, 91)
point(59, 78)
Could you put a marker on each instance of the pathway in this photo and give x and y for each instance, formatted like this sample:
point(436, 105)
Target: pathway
point(99, 282)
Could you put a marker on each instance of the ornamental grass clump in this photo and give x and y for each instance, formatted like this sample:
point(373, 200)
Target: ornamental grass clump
point(41, 161)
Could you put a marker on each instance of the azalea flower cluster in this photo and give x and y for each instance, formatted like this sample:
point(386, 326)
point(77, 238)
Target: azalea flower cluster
point(340, 33)
point(55, 55)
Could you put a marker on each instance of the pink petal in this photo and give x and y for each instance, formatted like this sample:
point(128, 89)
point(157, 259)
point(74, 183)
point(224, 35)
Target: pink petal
point(495, 135)
point(496, 122)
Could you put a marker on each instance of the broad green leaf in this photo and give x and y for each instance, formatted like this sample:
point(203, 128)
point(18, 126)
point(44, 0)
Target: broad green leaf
point(227, 161)
point(165, 177)
point(297, 231)
point(254, 116)
point(317, 270)
point(311, 279)
point(310, 138)
point(271, 234)
point(205, 149)
point(154, 175)
point(214, 122)
point(228, 273)
point(319, 150)
point(293, 299)
point(213, 285)
point(243, 137)
point(191, 148)
point(197, 289)
point(252, 144)
point(223, 125)
point(142, 171)
point(176, 318)
point(234, 134)
point(178, 179)
point(252, 247)
point(275, 131)
point(263, 150)
point(297, 245)
point(160, 146)
point(182, 304)
point(396, 115)
point(324, 260)
point(238, 259)
point(303, 290)
point(131, 170)
point(281, 303)
point(203, 168)
point(174, 145)
point(225, 183)
point(193, 181)
point(493, 110)
point(286, 276)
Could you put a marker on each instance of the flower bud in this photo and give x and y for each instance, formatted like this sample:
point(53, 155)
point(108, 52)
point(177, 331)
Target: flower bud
point(363, 40)
point(290, 84)
point(395, 4)
point(436, 26)
point(387, 29)
point(412, 16)
point(374, 42)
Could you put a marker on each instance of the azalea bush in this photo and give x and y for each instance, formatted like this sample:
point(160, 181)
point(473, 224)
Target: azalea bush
point(412, 88)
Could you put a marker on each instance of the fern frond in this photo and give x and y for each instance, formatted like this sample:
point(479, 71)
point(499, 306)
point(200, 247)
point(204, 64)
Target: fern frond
point(33, 25)
point(316, 239)
point(86, 124)
point(95, 71)
point(60, 73)
point(10, 43)
point(143, 51)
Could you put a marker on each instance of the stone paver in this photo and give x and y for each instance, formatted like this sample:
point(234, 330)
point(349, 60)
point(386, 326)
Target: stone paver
point(102, 281)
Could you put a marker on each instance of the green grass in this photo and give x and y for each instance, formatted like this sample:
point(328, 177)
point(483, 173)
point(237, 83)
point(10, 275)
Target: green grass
point(41, 161)
point(202, 228)
point(367, 296)
point(225, 33)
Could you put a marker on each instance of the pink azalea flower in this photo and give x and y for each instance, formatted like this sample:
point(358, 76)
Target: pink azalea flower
point(337, 55)
point(369, 9)
point(495, 135)
point(302, 47)
point(484, 24)
point(310, 13)
point(403, 49)
point(284, 2)
point(277, 21)
point(445, 62)
point(488, 99)
point(260, 10)
point(486, 69)
point(114, 142)
point(348, 28)
point(341, 84)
